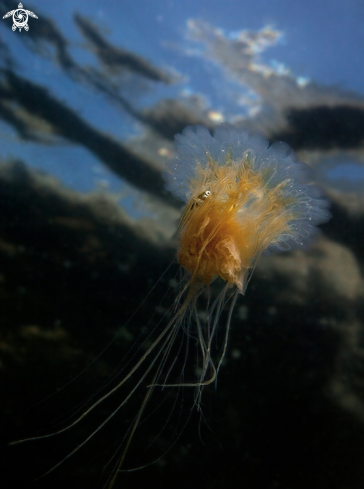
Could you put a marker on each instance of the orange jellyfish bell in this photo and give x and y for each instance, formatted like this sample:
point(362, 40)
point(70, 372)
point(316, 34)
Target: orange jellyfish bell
point(244, 198)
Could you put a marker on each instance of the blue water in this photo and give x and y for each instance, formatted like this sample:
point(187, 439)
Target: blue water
point(321, 41)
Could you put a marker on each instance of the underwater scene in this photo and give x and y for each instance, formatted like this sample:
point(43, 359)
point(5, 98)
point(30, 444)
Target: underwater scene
point(181, 244)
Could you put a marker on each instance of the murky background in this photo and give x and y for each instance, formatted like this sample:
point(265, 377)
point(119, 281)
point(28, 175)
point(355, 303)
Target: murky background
point(90, 99)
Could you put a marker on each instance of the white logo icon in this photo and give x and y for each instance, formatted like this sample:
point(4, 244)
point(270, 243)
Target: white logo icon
point(20, 17)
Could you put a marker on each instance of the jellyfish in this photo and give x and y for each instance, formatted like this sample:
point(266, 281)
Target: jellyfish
point(243, 198)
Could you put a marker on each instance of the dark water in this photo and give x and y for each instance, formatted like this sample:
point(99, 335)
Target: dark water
point(87, 228)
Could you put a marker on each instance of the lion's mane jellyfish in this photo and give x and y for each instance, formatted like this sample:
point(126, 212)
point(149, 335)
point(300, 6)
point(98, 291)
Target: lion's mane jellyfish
point(243, 198)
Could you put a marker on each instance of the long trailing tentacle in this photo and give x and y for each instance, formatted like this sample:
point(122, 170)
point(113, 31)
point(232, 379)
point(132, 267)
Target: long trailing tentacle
point(205, 340)
point(171, 333)
point(104, 397)
point(131, 435)
point(235, 295)
point(191, 303)
point(166, 348)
